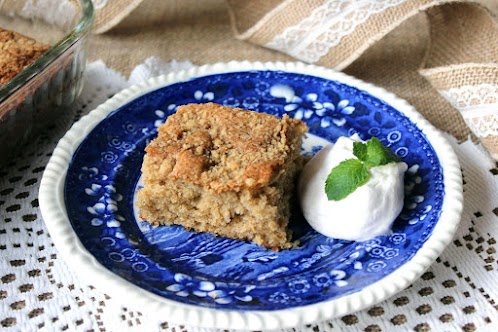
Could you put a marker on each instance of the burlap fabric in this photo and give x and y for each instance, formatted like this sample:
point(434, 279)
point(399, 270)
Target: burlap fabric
point(440, 55)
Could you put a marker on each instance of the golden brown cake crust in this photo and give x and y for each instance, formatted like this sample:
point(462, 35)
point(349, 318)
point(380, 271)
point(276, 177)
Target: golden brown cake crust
point(226, 171)
point(16, 53)
point(221, 148)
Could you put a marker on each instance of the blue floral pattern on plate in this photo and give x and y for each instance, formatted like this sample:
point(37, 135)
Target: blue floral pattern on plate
point(215, 272)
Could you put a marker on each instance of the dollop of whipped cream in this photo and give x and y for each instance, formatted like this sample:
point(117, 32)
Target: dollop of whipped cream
point(367, 212)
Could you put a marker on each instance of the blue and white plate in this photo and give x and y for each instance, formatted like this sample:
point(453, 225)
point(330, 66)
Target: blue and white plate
point(88, 190)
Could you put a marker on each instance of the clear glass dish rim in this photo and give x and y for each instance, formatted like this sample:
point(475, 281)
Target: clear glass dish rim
point(52, 53)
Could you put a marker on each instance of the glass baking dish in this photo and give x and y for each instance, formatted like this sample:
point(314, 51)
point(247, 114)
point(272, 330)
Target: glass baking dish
point(43, 91)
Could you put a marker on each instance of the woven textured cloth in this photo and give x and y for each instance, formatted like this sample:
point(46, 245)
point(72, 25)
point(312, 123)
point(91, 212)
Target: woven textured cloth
point(453, 86)
point(460, 60)
point(440, 55)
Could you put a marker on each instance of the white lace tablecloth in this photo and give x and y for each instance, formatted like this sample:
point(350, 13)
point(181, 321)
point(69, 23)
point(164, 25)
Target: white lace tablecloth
point(38, 292)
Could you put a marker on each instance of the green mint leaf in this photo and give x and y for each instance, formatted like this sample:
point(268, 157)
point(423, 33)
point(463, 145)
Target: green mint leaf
point(378, 154)
point(345, 178)
point(360, 150)
point(350, 174)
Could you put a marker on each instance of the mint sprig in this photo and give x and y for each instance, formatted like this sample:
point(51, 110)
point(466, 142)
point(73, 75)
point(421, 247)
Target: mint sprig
point(345, 178)
point(351, 174)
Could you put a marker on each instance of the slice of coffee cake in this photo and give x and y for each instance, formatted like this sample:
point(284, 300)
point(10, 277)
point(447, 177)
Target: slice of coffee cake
point(16, 53)
point(223, 170)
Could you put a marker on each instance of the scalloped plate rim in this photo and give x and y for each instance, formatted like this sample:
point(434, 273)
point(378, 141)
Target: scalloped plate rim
point(77, 257)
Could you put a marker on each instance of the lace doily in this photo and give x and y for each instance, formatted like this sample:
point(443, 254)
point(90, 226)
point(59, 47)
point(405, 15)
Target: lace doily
point(39, 293)
point(53, 12)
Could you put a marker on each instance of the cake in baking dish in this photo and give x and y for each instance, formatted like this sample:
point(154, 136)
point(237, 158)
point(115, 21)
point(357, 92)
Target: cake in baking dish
point(16, 53)
point(223, 170)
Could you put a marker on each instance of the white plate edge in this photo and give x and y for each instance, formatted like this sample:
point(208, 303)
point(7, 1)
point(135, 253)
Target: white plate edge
point(71, 249)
